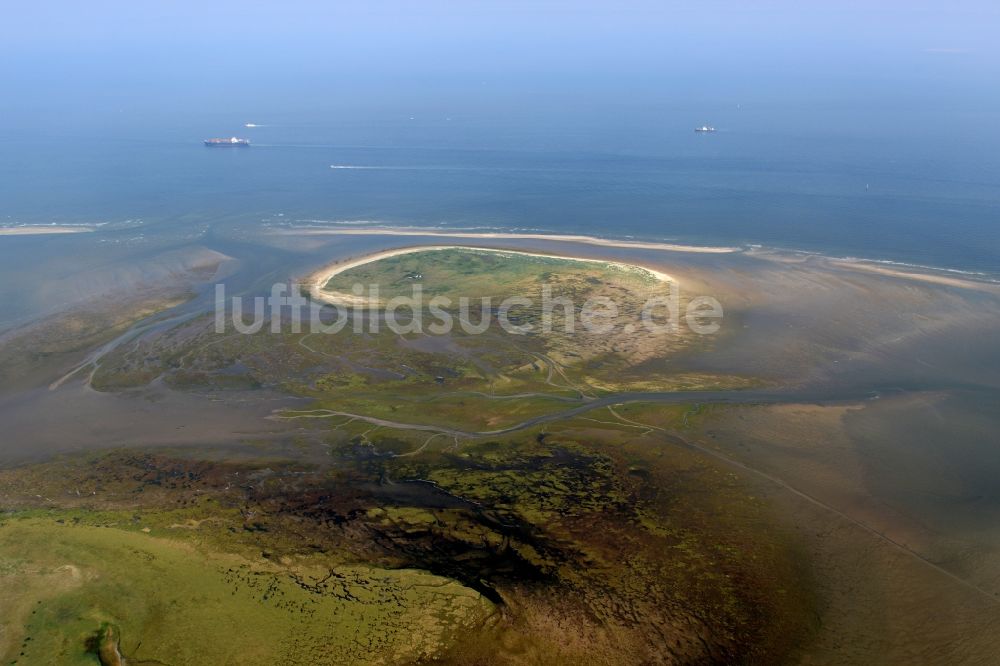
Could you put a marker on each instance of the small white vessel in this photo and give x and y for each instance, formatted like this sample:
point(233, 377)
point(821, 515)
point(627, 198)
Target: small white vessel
point(251, 125)
point(704, 128)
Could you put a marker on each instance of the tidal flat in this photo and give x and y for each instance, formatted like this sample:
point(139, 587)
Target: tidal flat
point(811, 484)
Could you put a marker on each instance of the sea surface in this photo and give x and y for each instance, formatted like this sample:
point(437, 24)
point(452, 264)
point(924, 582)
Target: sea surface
point(913, 184)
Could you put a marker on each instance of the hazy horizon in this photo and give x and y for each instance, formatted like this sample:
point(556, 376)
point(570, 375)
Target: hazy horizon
point(221, 55)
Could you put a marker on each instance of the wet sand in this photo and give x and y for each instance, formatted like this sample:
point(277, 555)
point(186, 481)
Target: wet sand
point(41, 423)
point(933, 278)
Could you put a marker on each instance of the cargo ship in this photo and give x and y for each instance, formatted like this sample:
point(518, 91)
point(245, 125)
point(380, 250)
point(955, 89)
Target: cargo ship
point(231, 141)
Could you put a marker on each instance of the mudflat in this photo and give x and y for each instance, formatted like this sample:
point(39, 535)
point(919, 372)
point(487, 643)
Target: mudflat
point(812, 482)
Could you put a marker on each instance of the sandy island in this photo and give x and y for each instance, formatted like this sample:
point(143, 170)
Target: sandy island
point(589, 240)
point(315, 281)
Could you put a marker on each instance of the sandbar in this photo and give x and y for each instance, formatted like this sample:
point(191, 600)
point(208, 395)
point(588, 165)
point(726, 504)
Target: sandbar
point(38, 230)
point(589, 240)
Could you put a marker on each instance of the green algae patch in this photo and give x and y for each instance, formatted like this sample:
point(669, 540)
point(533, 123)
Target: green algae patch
point(167, 601)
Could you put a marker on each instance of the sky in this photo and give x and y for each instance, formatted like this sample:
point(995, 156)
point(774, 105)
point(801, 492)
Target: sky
point(452, 36)
point(113, 54)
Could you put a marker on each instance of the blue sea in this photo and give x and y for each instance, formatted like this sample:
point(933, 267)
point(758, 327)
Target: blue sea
point(914, 181)
point(922, 188)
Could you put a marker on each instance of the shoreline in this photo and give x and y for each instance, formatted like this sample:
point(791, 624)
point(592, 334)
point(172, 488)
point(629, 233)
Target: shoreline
point(316, 280)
